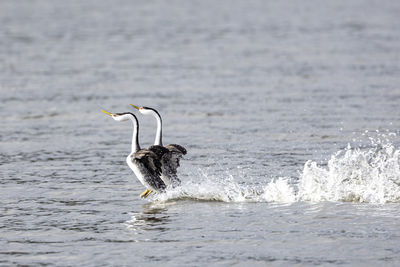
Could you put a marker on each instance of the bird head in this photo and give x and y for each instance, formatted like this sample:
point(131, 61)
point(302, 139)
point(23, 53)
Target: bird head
point(118, 116)
point(144, 110)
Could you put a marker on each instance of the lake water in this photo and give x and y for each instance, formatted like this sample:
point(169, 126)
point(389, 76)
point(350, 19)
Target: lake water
point(289, 111)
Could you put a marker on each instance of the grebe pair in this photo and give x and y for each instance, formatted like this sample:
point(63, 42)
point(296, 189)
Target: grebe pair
point(155, 167)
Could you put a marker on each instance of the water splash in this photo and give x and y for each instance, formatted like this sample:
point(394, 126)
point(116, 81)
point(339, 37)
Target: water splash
point(212, 188)
point(354, 174)
point(369, 174)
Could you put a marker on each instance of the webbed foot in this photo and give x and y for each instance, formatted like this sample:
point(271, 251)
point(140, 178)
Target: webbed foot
point(146, 193)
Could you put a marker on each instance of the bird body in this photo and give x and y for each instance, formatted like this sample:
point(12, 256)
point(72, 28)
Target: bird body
point(144, 163)
point(146, 166)
point(170, 154)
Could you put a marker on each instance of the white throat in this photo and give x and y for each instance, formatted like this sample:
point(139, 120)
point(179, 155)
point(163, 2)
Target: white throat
point(158, 139)
point(135, 135)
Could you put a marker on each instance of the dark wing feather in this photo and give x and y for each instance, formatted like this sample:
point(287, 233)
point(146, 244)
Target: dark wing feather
point(169, 173)
point(169, 169)
point(176, 153)
point(158, 150)
point(152, 163)
point(176, 148)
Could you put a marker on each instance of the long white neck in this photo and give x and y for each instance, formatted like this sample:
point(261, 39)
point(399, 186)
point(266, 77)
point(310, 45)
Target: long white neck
point(158, 140)
point(135, 136)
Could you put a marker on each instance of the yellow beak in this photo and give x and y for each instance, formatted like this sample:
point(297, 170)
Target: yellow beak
point(135, 106)
point(108, 113)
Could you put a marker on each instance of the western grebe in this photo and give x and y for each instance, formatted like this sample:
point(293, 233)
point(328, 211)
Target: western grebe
point(144, 163)
point(170, 154)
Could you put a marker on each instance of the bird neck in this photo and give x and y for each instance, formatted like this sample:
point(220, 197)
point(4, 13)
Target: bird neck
point(135, 135)
point(158, 139)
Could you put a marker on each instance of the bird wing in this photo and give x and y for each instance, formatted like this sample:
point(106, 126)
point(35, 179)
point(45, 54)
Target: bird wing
point(158, 150)
point(176, 148)
point(176, 153)
point(150, 161)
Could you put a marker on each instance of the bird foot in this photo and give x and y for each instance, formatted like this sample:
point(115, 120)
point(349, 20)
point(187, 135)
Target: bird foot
point(146, 193)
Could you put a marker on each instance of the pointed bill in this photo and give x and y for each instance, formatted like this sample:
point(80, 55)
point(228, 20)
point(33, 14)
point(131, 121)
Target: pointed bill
point(108, 113)
point(135, 106)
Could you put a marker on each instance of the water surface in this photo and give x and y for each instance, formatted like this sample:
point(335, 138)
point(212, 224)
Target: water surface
point(265, 96)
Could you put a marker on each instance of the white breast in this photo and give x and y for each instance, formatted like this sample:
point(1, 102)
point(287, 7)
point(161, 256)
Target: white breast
point(136, 171)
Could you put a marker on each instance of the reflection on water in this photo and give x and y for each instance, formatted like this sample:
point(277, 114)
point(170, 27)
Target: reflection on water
point(152, 218)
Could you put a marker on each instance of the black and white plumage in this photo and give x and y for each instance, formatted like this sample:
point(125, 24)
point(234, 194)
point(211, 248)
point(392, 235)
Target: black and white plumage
point(145, 163)
point(170, 154)
point(170, 157)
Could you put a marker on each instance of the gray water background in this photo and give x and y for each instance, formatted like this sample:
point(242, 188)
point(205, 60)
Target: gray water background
point(253, 89)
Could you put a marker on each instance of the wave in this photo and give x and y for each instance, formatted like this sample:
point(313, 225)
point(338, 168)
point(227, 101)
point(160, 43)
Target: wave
point(356, 175)
point(368, 175)
point(229, 190)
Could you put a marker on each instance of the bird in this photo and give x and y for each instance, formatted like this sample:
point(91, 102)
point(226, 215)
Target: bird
point(145, 164)
point(170, 154)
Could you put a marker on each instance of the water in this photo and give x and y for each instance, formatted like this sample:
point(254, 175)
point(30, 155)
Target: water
point(289, 111)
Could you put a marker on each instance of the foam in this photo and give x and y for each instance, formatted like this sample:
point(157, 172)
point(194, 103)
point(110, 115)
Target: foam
point(355, 174)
